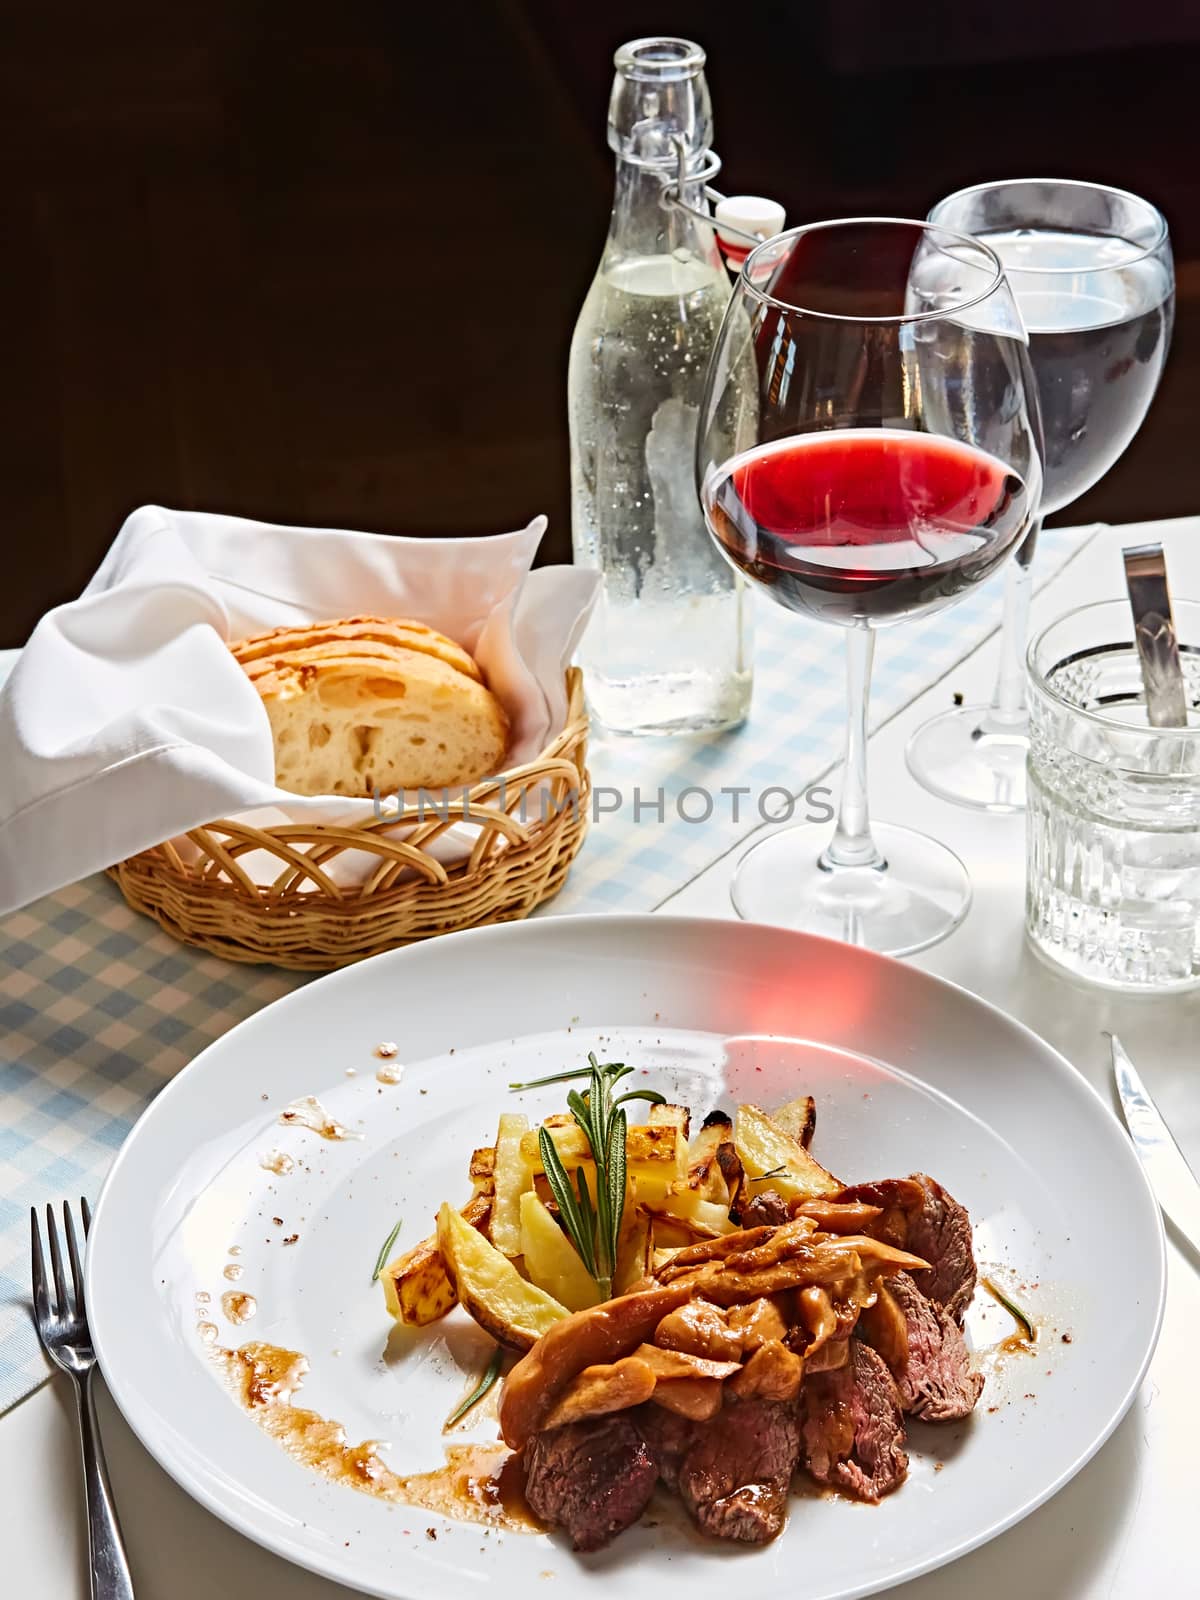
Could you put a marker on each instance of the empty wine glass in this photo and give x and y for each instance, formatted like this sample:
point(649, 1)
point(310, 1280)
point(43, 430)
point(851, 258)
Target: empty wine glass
point(1092, 274)
point(867, 452)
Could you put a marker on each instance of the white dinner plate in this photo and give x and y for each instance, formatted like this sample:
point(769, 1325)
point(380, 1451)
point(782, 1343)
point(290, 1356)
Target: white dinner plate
point(909, 1074)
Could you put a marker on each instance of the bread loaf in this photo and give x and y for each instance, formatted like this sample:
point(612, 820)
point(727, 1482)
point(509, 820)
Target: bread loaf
point(369, 703)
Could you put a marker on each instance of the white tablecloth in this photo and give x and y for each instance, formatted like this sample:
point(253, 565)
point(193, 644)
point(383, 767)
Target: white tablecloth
point(1121, 1529)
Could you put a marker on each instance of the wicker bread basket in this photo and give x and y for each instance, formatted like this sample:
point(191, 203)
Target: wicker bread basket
point(304, 919)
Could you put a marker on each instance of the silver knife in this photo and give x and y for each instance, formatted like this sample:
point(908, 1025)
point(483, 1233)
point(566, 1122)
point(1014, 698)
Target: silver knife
point(1175, 1185)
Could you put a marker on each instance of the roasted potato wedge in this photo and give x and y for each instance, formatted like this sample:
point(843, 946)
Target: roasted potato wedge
point(704, 1175)
point(687, 1211)
point(670, 1236)
point(416, 1286)
point(669, 1116)
point(635, 1249)
point(798, 1118)
point(483, 1167)
point(652, 1185)
point(551, 1260)
point(764, 1147)
point(656, 1147)
point(731, 1167)
point(490, 1288)
point(511, 1177)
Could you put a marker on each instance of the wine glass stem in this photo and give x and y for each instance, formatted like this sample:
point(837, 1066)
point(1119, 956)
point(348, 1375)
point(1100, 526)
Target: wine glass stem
point(1007, 712)
point(852, 844)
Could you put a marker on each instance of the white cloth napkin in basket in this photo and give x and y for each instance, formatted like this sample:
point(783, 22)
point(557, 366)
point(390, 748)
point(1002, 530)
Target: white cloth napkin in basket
point(126, 721)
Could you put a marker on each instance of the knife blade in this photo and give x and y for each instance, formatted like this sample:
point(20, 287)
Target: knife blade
point(1175, 1185)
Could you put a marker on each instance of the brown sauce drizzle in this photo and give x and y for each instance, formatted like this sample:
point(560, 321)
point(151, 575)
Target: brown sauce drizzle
point(308, 1112)
point(262, 1378)
point(478, 1483)
point(1014, 1344)
point(1017, 1343)
point(238, 1306)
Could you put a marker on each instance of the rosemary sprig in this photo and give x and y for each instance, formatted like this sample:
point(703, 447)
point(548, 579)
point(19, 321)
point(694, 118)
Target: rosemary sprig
point(381, 1260)
point(593, 1222)
point(555, 1077)
point(764, 1176)
point(652, 1095)
point(490, 1374)
point(1021, 1318)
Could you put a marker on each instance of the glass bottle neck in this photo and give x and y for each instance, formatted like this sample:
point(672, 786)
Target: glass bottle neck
point(643, 226)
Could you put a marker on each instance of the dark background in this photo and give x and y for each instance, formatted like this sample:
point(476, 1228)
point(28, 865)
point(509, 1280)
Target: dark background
point(320, 262)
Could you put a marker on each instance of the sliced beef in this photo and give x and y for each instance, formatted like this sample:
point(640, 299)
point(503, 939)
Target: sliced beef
point(668, 1436)
point(853, 1430)
point(769, 1207)
point(921, 1216)
point(592, 1478)
point(736, 1474)
point(934, 1378)
point(940, 1231)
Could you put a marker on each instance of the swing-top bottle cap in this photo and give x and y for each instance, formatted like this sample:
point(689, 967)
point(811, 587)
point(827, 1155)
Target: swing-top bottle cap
point(751, 213)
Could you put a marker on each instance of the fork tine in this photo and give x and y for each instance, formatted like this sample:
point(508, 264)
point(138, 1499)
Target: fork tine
point(85, 1211)
point(60, 1283)
point(73, 1257)
point(41, 1303)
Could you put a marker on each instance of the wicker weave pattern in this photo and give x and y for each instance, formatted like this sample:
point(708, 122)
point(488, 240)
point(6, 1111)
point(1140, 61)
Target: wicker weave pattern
point(305, 920)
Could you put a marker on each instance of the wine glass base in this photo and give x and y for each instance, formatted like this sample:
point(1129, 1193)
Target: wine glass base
point(959, 758)
point(918, 898)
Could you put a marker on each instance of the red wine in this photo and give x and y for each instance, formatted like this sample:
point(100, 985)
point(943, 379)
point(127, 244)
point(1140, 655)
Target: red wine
point(862, 523)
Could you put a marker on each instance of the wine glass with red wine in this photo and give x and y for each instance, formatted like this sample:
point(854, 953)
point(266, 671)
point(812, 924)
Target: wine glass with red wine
point(1092, 273)
point(868, 451)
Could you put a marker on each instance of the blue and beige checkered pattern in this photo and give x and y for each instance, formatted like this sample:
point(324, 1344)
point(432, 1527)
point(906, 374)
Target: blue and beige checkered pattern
point(793, 735)
point(99, 1007)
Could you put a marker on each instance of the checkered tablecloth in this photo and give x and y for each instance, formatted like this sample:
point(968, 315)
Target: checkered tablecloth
point(99, 1007)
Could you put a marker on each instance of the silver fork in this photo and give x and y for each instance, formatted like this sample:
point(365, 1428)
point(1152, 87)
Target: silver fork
point(64, 1333)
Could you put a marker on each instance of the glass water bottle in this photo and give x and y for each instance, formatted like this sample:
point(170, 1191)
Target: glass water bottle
point(669, 648)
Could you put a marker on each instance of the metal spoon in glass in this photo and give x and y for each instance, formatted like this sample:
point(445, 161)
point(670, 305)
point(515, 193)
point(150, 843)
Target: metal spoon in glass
point(1155, 636)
